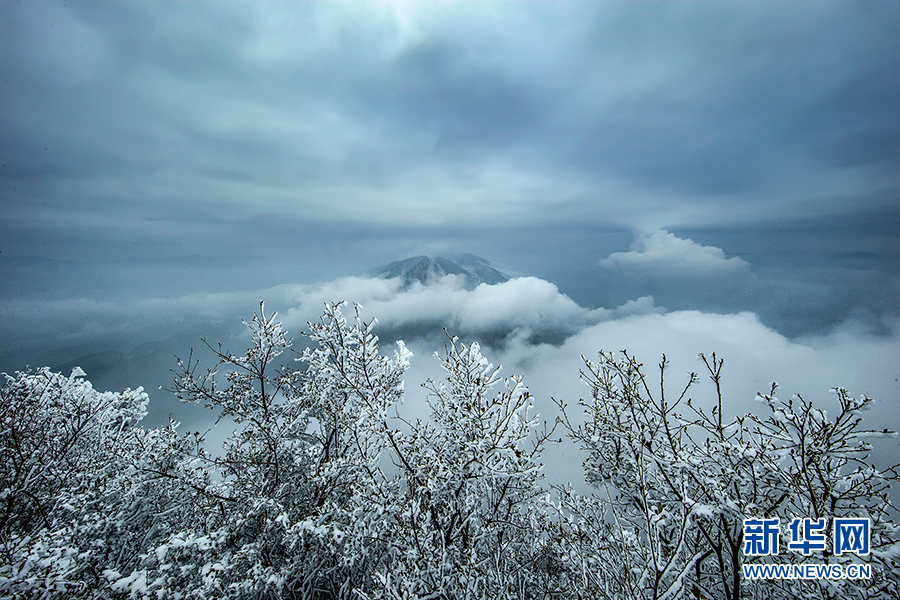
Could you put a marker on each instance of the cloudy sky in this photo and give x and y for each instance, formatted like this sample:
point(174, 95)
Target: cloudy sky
point(664, 177)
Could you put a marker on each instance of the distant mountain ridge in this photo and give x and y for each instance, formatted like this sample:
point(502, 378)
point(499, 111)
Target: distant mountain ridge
point(424, 269)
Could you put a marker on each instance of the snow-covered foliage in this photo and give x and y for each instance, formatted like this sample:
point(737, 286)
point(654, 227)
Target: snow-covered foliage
point(84, 490)
point(676, 488)
point(323, 492)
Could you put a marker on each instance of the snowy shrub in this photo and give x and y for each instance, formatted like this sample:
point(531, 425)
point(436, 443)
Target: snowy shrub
point(677, 486)
point(85, 491)
point(469, 496)
point(310, 512)
point(323, 492)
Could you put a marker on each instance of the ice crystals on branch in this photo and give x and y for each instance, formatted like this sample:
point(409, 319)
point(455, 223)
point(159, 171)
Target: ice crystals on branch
point(679, 488)
point(302, 504)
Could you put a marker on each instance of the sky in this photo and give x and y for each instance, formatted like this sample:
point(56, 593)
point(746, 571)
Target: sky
point(675, 177)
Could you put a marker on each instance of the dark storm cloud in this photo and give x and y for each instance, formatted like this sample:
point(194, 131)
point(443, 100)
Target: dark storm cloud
point(389, 113)
point(750, 91)
point(469, 104)
point(858, 124)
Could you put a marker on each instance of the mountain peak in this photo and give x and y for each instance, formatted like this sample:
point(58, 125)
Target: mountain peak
point(424, 269)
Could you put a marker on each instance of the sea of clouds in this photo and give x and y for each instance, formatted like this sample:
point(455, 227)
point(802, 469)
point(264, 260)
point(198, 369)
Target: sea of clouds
point(526, 324)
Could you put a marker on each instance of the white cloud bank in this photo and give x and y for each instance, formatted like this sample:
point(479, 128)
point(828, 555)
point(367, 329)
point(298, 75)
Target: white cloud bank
point(664, 253)
point(524, 304)
point(515, 316)
point(754, 356)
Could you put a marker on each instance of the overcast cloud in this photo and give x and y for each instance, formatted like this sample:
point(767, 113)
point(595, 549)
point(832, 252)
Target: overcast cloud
point(665, 177)
point(167, 122)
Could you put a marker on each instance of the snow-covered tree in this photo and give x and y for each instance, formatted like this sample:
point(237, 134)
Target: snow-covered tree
point(465, 521)
point(303, 463)
point(85, 491)
point(311, 510)
point(323, 491)
point(676, 488)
